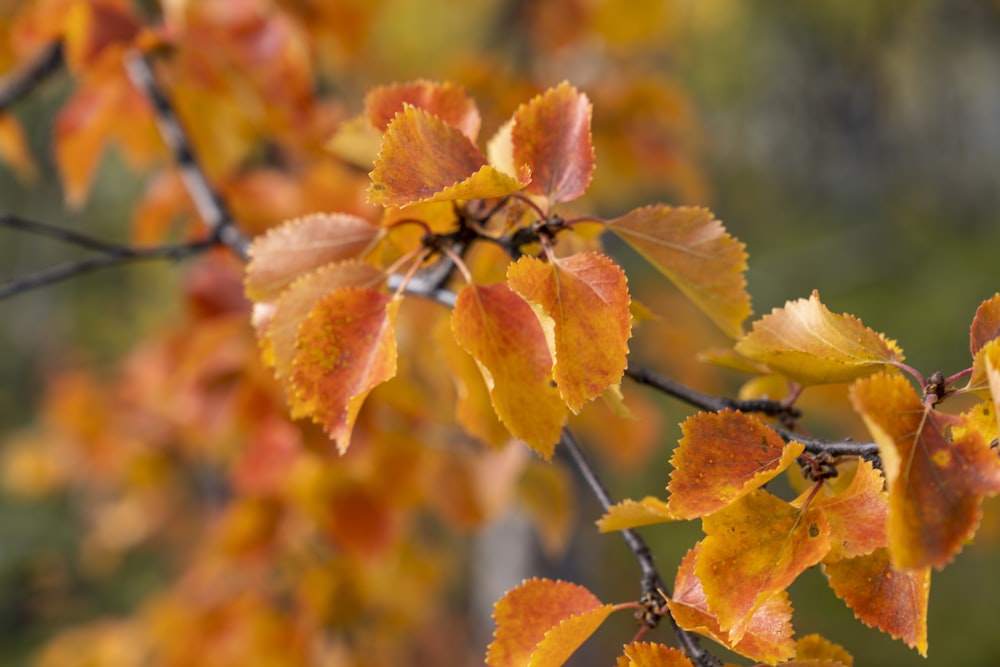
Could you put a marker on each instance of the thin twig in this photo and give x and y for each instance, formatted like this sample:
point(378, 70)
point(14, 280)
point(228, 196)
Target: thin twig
point(112, 256)
point(652, 582)
point(207, 202)
point(24, 79)
point(59, 233)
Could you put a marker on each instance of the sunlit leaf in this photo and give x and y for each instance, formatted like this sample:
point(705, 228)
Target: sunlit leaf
point(346, 346)
point(815, 647)
point(936, 484)
point(287, 252)
point(632, 514)
point(985, 324)
point(421, 157)
point(586, 298)
point(691, 248)
point(990, 349)
point(646, 654)
point(722, 457)
point(551, 136)
point(883, 596)
point(447, 101)
point(807, 343)
point(753, 548)
point(857, 516)
point(768, 636)
point(500, 331)
point(529, 619)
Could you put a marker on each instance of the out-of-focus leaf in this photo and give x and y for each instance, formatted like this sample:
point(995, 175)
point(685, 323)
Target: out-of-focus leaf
point(447, 101)
point(14, 149)
point(500, 331)
point(936, 484)
point(722, 457)
point(691, 248)
point(586, 298)
point(546, 493)
point(346, 346)
point(807, 343)
point(293, 249)
point(754, 548)
point(885, 597)
point(551, 136)
point(541, 622)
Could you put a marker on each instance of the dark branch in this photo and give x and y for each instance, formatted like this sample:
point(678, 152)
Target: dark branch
point(207, 202)
point(652, 582)
point(59, 233)
point(24, 79)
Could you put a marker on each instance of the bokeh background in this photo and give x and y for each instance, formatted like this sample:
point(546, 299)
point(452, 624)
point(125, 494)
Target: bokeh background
point(853, 146)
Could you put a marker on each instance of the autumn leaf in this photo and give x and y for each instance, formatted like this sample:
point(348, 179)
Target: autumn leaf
point(691, 248)
point(984, 331)
point(346, 346)
point(722, 457)
point(815, 647)
point(296, 247)
point(585, 297)
point(754, 548)
point(857, 516)
point(542, 622)
point(447, 101)
point(503, 335)
point(551, 136)
point(768, 636)
point(810, 345)
point(14, 149)
point(633, 513)
point(885, 597)
point(936, 485)
point(423, 158)
point(646, 654)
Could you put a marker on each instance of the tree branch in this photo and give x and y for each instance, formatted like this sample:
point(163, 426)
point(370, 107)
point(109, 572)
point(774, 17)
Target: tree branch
point(25, 78)
point(207, 202)
point(652, 582)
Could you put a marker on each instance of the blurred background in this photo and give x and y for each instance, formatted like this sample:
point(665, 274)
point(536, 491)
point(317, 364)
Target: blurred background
point(853, 146)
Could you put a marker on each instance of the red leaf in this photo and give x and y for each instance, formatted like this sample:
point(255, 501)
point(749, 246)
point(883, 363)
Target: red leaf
point(936, 485)
point(884, 597)
point(503, 335)
point(525, 616)
point(551, 136)
point(346, 347)
point(722, 457)
point(585, 299)
point(691, 248)
point(447, 101)
point(296, 247)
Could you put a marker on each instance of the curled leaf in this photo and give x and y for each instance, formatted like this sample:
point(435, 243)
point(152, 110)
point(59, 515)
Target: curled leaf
point(551, 136)
point(691, 248)
point(722, 457)
point(586, 298)
point(807, 343)
point(345, 348)
point(936, 483)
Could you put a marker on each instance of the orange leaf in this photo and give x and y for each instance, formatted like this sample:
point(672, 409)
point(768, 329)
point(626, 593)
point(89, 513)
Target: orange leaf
point(632, 514)
point(691, 248)
point(585, 298)
point(646, 654)
point(295, 303)
point(883, 596)
point(754, 548)
point(298, 246)
point(503, 335)
point(807, 343)
point(528, 619)
point(547, 495)
point(421, 157)
point(936, 485)
point(857, 516)
point(14, 150)
point(551, 136)
point(447, 101)
point(346, 346)
point(815, 647)
point(722, 457)
point(768, 636)
point(985, 330)
point(92, 27)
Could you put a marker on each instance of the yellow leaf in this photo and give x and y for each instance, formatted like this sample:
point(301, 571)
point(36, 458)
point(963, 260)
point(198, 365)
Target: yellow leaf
point(632, 514)
point(646, 654)
point(810, 345)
